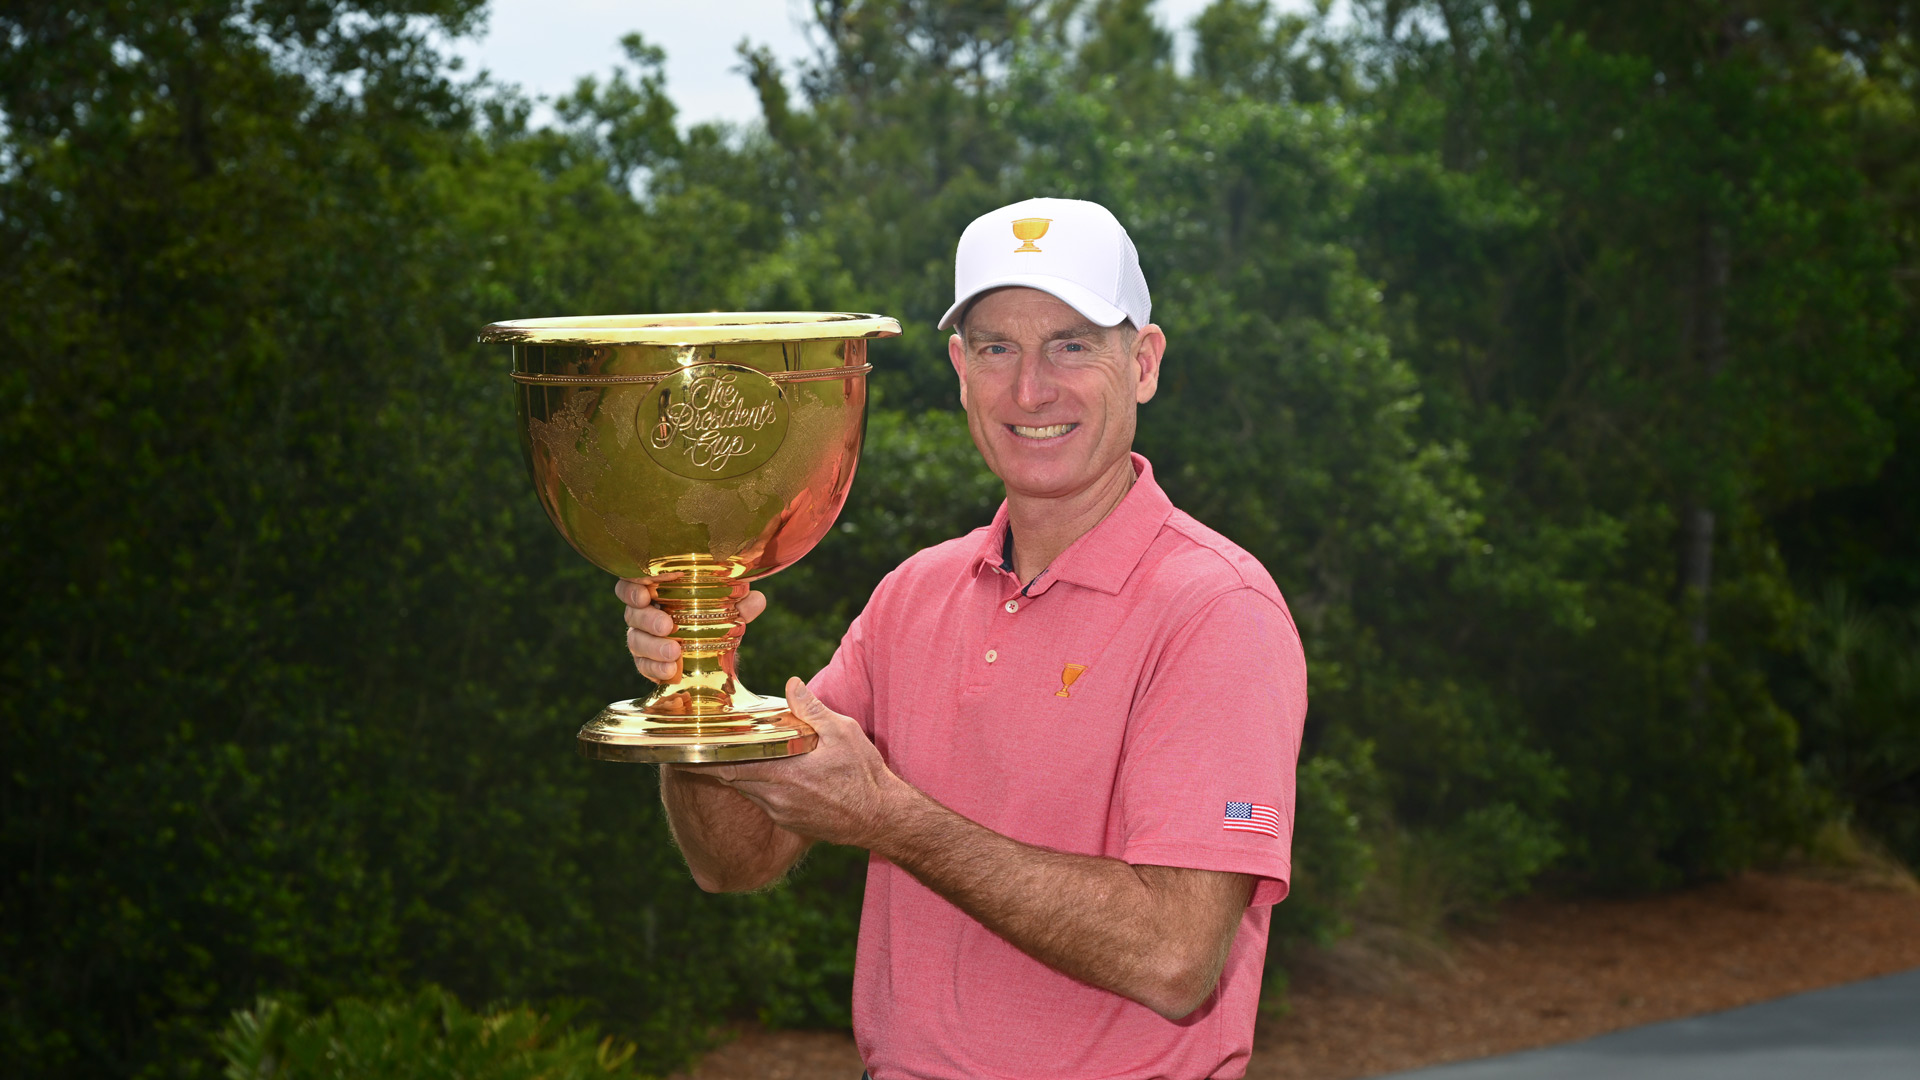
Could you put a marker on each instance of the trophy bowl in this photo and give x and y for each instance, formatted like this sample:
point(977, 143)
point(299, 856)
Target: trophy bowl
point(702, 452)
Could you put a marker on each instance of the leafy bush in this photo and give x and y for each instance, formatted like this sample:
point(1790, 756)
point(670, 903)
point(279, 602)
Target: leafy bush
point(1858, 691)
point(428, 1036)
point(1332, 858)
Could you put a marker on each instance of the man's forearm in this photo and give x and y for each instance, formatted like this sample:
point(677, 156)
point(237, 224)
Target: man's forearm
point(1156, 935)
point(729, 843)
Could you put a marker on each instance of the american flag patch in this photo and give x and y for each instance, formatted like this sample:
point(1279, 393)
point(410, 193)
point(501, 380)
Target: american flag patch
point(1252, 817)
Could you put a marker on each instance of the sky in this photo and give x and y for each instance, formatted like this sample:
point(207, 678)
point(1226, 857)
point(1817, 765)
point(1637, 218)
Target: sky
point(546, 45)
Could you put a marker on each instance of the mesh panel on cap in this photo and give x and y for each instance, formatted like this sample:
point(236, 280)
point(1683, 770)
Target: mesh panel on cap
point(1130, 292)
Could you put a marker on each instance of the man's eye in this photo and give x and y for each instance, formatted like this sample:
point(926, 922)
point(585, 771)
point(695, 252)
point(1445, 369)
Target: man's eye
point(997, 350)
point(1074, 346)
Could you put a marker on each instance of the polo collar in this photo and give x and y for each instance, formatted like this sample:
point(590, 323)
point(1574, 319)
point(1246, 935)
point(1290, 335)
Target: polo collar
point(1104, 557)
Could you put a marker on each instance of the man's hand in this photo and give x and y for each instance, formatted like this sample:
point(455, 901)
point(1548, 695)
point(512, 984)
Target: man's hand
point(840, 792)
point(656, 655)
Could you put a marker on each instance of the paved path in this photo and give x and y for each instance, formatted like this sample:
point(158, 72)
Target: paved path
point(1863, 1031)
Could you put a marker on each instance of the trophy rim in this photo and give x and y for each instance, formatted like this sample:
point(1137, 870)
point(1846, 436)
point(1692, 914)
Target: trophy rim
point(691, 328)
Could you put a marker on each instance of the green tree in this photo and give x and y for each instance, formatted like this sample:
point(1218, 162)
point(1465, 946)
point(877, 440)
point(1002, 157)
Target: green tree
point(1639, 264)
point(292, 657)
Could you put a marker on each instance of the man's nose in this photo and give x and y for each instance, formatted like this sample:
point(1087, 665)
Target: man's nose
point(1033, 387)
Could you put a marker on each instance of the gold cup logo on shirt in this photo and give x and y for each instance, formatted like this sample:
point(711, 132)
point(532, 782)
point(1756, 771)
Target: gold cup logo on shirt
point(703, 452)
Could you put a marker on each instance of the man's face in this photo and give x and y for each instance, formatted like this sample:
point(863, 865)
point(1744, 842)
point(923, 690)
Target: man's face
point(1051, 398)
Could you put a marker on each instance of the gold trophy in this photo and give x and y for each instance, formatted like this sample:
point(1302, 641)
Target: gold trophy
point(704, 452)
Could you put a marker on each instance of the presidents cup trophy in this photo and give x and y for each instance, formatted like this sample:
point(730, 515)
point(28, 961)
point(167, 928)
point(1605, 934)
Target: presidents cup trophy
point(704, 452)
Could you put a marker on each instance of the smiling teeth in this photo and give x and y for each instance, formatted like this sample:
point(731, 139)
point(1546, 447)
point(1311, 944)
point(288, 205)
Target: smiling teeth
point(1042, 432)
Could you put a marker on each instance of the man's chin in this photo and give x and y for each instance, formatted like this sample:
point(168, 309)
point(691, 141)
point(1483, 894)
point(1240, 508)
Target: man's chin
point(1044, 483)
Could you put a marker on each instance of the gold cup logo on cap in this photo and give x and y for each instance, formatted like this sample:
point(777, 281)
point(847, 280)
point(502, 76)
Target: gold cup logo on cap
point(1027, 230)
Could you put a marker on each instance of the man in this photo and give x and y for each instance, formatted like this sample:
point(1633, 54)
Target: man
point(1067, 739)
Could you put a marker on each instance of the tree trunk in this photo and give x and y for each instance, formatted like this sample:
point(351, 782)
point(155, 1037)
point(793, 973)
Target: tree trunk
point(1696, 566)
point(1709, 341)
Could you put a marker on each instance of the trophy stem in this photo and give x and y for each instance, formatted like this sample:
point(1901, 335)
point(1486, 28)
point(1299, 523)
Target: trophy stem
point(706, 622)
point(704, 714)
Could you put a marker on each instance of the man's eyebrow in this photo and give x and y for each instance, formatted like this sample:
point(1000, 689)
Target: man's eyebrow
point(1084, 330)
point(978, 334)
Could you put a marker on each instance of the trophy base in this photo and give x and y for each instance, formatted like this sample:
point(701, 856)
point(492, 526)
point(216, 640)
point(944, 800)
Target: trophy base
point(624, 732)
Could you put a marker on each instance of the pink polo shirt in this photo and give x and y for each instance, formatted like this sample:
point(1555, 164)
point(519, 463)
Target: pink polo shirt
point(1116, 706)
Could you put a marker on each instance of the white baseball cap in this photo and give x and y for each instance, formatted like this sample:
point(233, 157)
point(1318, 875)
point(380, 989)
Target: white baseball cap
point(1076, 250)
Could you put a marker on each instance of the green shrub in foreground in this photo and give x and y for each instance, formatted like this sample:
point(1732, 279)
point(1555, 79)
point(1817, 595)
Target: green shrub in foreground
point(424, 1037)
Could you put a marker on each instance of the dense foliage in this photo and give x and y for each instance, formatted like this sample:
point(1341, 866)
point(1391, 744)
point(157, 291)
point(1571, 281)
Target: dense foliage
point(425, 1036)
point(1558, 359)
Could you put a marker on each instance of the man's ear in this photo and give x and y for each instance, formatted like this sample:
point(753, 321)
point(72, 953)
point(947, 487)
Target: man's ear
point(957, 352)
point(1149, 347)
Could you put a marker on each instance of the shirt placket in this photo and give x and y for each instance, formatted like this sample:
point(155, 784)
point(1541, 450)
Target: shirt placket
point(995, 609)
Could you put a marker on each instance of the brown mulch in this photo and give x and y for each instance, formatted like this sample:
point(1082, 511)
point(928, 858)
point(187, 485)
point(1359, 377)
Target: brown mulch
point(1552, 971)
point(781, 1055)
point(1547, 971)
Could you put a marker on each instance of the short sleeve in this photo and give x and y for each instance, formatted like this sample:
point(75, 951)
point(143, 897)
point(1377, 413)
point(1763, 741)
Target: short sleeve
point(845, 685)
point(1208, 777)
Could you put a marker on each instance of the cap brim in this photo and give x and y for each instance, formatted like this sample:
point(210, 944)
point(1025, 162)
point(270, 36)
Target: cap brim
point(1077, 296)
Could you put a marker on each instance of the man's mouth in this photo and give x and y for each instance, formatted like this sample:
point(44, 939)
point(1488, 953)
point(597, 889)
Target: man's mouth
point(1051, 431)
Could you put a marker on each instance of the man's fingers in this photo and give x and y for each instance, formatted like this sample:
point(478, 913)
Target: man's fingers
point(831, 725)
point(657, 670)
point(751, 795)
point(656, 658)
point(804, 705)
point(644, 616)
point(731, 772)
point(690, 773)
point(751, 605)
point(650, 620)
point(655, 655)
point(734, 776)
point(640, 614)
point(645, 646)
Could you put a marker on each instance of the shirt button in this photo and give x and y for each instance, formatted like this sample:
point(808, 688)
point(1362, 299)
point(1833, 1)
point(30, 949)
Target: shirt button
point(992, 656)
point(1013, 606)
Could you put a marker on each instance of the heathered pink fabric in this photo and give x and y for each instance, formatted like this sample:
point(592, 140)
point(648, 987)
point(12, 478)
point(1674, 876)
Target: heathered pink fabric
point(1193, 695)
